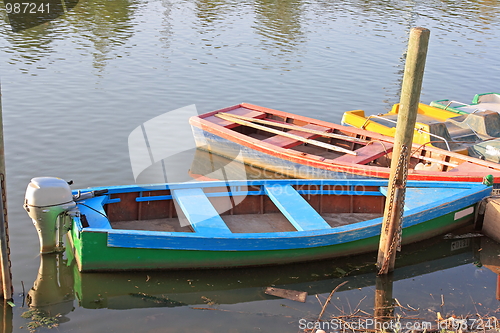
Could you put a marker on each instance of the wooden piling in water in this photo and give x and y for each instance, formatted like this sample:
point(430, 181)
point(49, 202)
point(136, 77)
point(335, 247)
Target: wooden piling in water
point(410, 98)
point(6, 275)
point(383, 310)
point(497, 294)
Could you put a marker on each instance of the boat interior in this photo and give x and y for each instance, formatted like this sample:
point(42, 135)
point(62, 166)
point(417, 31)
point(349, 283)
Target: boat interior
point(261, 208)
point(441, 128)
point(458, 131)
point(323, 146)
point(248, 209)
point(449, 135)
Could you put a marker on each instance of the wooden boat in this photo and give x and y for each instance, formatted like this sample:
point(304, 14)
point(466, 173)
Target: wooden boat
point(437, 127)
point(302, 147)
point(207, 166)
point(237, 223)
point(480, 102)
point(474, 134)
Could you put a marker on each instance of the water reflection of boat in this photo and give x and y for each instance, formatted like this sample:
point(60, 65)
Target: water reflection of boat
point(183, 288)
point(6, 317)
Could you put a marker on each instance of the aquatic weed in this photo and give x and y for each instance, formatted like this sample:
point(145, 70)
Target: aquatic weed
point(40, 318)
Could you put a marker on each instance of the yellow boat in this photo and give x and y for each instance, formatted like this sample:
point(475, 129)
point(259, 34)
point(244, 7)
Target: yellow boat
point(434, 127)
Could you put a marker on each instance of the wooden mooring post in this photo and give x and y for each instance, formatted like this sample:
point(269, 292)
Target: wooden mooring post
point(6, 275)
point(383, 309)
point(410, 98)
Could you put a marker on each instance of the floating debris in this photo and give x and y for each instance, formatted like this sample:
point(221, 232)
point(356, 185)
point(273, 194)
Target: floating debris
point(467, 235)
point(208, 300)
point(299, 296)
point(164, 301)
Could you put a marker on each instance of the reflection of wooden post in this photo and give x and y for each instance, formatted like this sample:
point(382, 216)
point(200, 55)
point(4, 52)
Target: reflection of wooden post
point(5, 276)
point(383, 310)
point(489, 255)
point(410, 97)
point(6, 322)
point(498, 288)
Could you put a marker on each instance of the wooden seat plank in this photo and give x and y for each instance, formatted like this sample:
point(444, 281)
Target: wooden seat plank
point(366, 154)
point(199, 211)
point(295, 208)
point(240, 112)
point(284, 142)
point(471, 167)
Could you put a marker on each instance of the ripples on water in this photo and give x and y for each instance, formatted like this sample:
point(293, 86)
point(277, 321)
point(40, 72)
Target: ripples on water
point(74, 88)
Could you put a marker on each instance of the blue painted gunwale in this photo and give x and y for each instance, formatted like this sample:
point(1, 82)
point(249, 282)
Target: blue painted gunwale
point(468, 194)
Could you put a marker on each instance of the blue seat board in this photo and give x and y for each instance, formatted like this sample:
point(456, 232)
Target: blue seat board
point(421, 196)
point(96, 216)
point(295, 208)
point(199, 211)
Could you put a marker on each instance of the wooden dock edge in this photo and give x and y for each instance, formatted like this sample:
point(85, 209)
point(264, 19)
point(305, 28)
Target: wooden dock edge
point(491, 221)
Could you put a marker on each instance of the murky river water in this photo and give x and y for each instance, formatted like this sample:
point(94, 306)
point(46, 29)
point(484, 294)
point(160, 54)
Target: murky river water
point(75, 87)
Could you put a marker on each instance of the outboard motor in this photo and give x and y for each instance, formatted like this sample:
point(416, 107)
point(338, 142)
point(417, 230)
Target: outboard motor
point(46, 199)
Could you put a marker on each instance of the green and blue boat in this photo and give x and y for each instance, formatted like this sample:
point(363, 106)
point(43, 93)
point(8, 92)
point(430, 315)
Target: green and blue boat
point(218, 224)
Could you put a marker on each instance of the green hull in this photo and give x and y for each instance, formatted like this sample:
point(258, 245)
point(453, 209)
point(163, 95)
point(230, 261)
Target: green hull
point(92, 253)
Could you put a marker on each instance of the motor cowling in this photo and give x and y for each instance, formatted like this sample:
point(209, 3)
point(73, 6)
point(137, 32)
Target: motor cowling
point(45, 200)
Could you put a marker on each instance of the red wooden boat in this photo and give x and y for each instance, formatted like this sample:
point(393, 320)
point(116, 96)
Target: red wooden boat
point(302, 147)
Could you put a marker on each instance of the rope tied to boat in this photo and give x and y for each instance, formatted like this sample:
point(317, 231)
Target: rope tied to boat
point(401, 169)
point(386, 150)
